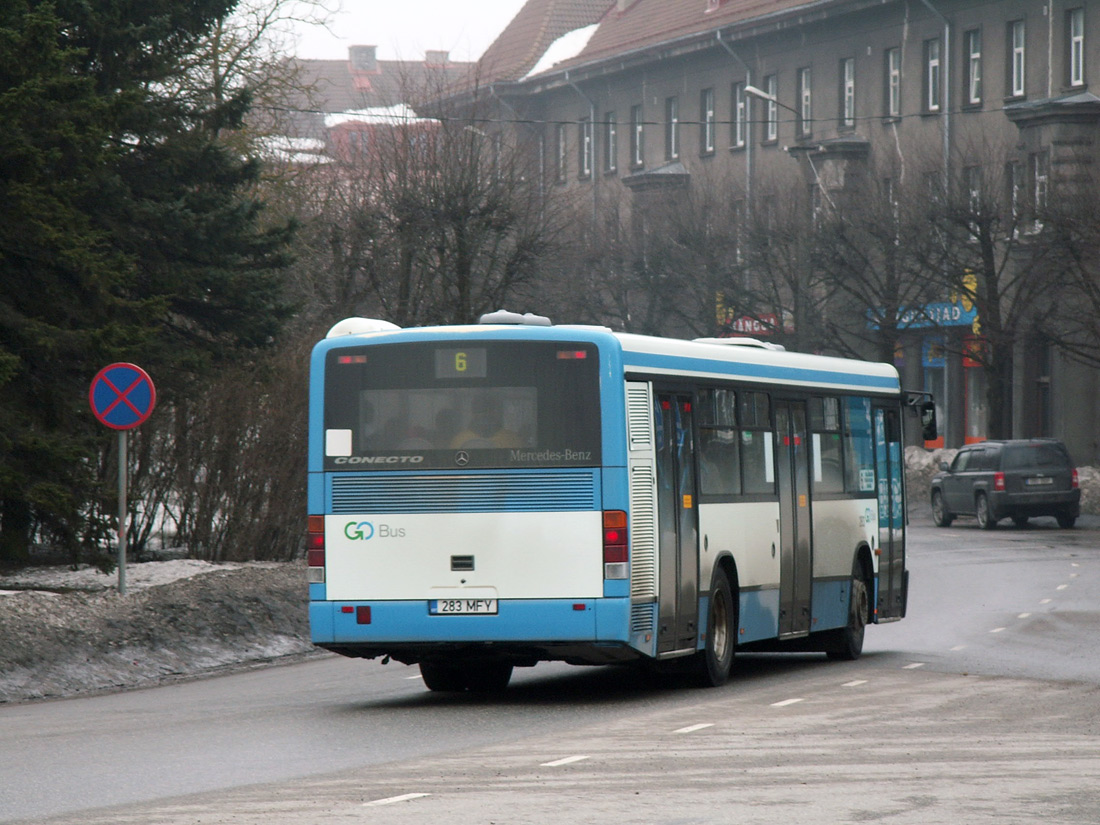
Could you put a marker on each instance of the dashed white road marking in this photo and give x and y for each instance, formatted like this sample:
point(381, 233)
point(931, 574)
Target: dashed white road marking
point(566, 761)
point(855, 683)
point(959, 647)
point(417, 676)
point(693, 728)
point(1044, 601)
point(1023, 615)
point(1061, 587)
point(998, 630)
point(392, 799)
point(786, 702)
point(913, 666)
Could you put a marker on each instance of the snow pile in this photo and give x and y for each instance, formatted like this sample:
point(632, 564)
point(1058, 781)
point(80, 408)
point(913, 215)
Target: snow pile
point(178, 618)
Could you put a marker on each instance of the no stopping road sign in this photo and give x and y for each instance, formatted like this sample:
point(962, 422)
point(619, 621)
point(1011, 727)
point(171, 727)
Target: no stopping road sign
point(122, 396)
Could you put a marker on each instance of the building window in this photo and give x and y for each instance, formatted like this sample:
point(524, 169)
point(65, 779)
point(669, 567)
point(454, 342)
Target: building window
point(771, 120)
point(805, 102)
point(1014, 184)
point(610, 143)
point(706, 115)
point(584, 148)
point(972, 45)
point(563, 161)
point(932, 70)
point(1016, 42)
point(893, 82)
point(737, 106)
point(637, 137)
point(848, 93)
point(1075, 28)
point(972, 185)
point(672, 128)
point(1040, 182)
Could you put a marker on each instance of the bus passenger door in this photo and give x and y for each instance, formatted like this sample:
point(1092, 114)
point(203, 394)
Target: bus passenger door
point(890, 603)
point(796, 555)
point(676, 505)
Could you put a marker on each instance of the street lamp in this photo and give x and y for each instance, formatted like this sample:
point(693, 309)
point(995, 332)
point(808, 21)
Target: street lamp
point(760, 93)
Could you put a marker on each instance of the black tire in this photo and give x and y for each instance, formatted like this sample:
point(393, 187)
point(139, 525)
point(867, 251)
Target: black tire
point(714, 663)
point(941, 516)
point(1020, 521)
point(846, 644)
point(488, 677)
point(444, 678)
point(983, 513)
point(1066, 521)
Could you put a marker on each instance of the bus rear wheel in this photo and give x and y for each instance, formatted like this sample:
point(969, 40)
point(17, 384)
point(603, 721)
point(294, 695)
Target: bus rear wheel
point(488, 677)
point(715, 661)
point(846, 644)
point(442, 677)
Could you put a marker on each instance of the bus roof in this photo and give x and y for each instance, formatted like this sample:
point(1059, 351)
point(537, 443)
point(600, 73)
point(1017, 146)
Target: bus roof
point(646, 355)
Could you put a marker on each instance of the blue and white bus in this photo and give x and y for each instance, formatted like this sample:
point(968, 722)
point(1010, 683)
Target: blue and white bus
point(489, 496)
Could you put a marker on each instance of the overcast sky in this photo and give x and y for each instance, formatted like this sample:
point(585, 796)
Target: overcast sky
point(405, 29)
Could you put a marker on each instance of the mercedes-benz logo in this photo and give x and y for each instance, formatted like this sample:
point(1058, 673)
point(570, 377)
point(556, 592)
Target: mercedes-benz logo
point(462, 458)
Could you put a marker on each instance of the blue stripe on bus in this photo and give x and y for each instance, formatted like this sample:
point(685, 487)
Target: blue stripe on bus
point(830, 604)
point(530, 620)
point(761, 372)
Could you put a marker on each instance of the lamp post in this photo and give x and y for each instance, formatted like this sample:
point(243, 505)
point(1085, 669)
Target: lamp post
point(770, 98)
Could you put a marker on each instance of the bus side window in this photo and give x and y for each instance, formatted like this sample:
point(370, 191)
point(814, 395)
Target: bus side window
point(859, 449)
point(719, 468)
point(757, 459)
point(828, 462)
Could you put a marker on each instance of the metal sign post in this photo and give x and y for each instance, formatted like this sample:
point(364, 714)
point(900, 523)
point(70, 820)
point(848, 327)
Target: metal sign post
point(122, 396)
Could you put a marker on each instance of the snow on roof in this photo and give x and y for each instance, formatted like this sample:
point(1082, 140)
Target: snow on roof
point(293, 150)
point(377, 115)
point(566, 47)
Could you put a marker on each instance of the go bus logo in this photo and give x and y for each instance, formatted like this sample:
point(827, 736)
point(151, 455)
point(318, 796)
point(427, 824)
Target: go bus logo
point(365, 531)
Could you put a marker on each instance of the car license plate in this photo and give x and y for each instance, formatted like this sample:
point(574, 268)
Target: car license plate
point(1040, 480)
point(462, 607)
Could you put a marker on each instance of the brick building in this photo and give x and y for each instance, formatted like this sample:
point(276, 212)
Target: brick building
point(629, 101)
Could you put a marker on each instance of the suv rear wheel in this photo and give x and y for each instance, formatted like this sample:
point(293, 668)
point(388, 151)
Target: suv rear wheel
point(941, 516)
point(1066, 521)
point(983, 513)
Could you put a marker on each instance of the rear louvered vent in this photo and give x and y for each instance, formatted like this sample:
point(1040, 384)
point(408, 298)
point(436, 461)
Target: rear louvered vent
point(639, 416)
point(643, 533)
point(482, 492)
point(641, 618)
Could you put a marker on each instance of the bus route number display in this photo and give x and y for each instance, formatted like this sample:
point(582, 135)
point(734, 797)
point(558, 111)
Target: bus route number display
point(460, 363)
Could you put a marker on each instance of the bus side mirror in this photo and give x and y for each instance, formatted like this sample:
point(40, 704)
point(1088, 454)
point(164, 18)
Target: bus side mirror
point(928, 420)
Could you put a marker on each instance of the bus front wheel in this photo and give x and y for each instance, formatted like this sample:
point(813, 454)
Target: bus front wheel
point(715, 661)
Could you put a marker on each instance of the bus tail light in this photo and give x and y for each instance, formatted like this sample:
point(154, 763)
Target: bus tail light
point(615, 554)
point(999, 482)
point(315, 550)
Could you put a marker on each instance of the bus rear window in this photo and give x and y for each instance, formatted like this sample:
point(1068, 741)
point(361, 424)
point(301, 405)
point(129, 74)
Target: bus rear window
point(446, 406)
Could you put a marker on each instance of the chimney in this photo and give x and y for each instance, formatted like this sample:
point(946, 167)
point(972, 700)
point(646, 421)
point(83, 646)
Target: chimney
point(432, 58)
point(363, 59)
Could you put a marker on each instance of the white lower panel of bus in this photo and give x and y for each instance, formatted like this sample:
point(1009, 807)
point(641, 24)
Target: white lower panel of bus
point(464, 556)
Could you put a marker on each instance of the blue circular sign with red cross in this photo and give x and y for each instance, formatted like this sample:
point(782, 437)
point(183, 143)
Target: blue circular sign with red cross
point(122, 396)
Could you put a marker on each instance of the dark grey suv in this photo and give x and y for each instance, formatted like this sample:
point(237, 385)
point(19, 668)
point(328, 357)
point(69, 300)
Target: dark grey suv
point(1007, 479)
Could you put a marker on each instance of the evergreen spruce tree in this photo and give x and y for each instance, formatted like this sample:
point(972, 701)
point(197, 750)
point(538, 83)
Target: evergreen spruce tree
point(127, 232)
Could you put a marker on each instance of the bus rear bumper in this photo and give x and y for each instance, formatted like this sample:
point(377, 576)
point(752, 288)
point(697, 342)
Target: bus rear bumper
point(387, 624)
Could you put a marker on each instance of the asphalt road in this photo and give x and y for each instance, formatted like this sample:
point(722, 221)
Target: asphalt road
point(981, 706)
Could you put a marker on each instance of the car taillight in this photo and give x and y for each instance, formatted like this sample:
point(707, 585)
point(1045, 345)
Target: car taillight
point(1076, 482)
point(999, 482)
point(315, 550)
point(615, 554)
